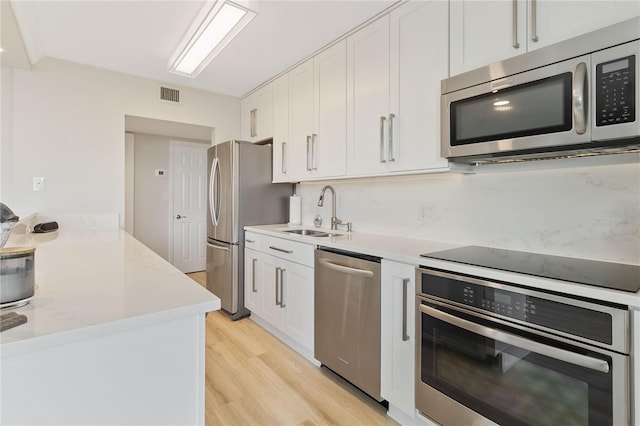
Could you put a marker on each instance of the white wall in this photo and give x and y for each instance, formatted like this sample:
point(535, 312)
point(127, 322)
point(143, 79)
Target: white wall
point(586, 210)
point(68, 124)
point(6, 120)
point(151, 206)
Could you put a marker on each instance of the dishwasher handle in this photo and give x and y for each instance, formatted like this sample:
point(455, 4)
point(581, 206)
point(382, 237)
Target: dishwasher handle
point(346, 269)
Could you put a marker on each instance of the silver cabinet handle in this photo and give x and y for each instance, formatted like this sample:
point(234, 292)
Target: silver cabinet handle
point(405, 285)
point(277, 286)
point(382, 119)
point(346, 269)
point(578, 92)
point(218, 247)
point(308, 143)
point(255, 122)
point(249, 241)
point(514, 25)
point(534, 21)
point(314, 151)
point(391, 117)
point(252, 122)
point(180, 217)
point(512, 339)
point(284, 158)
point(253, 275)
point(282, 271)
point(281, 250)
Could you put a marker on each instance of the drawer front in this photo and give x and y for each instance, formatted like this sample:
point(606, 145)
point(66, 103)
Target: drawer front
point(293, 251)
point(252, 240)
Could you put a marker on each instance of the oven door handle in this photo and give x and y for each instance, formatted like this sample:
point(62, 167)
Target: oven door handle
point(512, 339)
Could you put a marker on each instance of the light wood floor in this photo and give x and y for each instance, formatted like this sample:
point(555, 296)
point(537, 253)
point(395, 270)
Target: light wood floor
point(254, 379)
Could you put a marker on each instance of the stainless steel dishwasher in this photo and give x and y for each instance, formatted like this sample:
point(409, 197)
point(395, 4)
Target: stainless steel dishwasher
point(347, 316)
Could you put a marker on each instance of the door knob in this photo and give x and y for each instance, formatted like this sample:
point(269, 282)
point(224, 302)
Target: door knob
point(180, 217)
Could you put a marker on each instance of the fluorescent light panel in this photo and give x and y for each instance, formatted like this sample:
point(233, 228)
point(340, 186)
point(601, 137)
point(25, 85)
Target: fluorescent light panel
point(220, 26)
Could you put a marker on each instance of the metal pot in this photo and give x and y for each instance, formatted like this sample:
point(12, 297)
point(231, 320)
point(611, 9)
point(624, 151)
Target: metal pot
point(17, 273)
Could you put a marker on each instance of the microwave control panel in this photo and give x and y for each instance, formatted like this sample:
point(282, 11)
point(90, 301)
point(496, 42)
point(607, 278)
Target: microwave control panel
point(616, 92)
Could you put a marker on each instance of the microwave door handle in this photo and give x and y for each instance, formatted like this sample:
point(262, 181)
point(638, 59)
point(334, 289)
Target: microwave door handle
point(578, 98)
point(512, 339)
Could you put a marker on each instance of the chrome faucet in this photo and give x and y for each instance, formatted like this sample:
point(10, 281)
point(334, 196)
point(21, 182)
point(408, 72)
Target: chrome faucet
point(334, 220)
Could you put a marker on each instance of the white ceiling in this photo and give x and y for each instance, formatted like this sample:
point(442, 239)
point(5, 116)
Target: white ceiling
point(139, 37)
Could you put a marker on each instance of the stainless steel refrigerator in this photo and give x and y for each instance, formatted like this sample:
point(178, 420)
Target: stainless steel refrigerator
point(240, 193)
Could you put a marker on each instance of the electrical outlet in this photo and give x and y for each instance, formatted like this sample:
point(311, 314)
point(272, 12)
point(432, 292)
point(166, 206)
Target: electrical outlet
point(38, 184)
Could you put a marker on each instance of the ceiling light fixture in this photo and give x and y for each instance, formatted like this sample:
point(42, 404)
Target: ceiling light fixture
point(215, 26)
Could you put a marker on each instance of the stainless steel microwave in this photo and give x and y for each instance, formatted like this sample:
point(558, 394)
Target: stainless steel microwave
point(574, 98)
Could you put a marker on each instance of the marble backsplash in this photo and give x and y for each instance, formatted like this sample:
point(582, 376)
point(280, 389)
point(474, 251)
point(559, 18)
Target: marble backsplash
point(575, 208)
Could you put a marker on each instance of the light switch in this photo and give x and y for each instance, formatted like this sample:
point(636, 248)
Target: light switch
point(38, 183)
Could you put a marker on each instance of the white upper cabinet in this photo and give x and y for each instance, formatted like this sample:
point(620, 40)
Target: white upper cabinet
point(419, 60)
point(560, 20)
point(316, 147)
point(256, 118)
point(281, 141)
point(301, 120)
point(483, 32)
point(368, 98)
point(329, 140)
point(394, 68)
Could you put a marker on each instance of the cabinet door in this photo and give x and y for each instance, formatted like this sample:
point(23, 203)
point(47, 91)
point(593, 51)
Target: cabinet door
point(554, 21)
point(329, 141)
point(419, 60)
point(397, 381)
point(271, 310)
point(297, 303)
point(483, 32)
point(281, 143)
point(252, 281)
point(368, 98)
point(247, 106)
point(301, 118)
point(264, 113)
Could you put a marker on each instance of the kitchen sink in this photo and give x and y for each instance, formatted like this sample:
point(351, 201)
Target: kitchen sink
point(311, 233)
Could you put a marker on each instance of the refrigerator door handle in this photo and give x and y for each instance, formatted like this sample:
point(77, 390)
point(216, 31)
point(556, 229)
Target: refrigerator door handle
point(214, 192)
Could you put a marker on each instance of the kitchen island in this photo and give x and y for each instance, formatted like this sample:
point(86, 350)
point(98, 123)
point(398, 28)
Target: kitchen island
point(115, 335)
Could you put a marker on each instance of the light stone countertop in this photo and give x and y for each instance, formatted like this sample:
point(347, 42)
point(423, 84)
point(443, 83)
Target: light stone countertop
point(96, 282)
point(408, 250)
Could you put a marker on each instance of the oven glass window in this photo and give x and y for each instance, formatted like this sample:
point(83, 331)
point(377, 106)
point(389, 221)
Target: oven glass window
point(539, 107)
point(510, 385)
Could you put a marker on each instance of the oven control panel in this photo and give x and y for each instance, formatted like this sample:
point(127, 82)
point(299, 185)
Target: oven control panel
point(551, 314)
point(505, 303)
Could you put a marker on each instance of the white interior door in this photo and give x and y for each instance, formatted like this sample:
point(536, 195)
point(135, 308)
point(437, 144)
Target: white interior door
point(189, 206)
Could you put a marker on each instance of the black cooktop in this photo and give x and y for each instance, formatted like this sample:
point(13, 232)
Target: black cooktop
point(616, 276)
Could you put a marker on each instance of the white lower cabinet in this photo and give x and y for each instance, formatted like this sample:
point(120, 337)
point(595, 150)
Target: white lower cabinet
point(398, 340)
point(279, 289)
point(252, 294)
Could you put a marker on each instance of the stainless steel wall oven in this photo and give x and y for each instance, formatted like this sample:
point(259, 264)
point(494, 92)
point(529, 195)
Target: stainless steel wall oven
point(491, 352)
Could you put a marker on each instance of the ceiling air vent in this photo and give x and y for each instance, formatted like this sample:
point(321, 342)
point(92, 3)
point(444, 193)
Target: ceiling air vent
point(169, 94)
